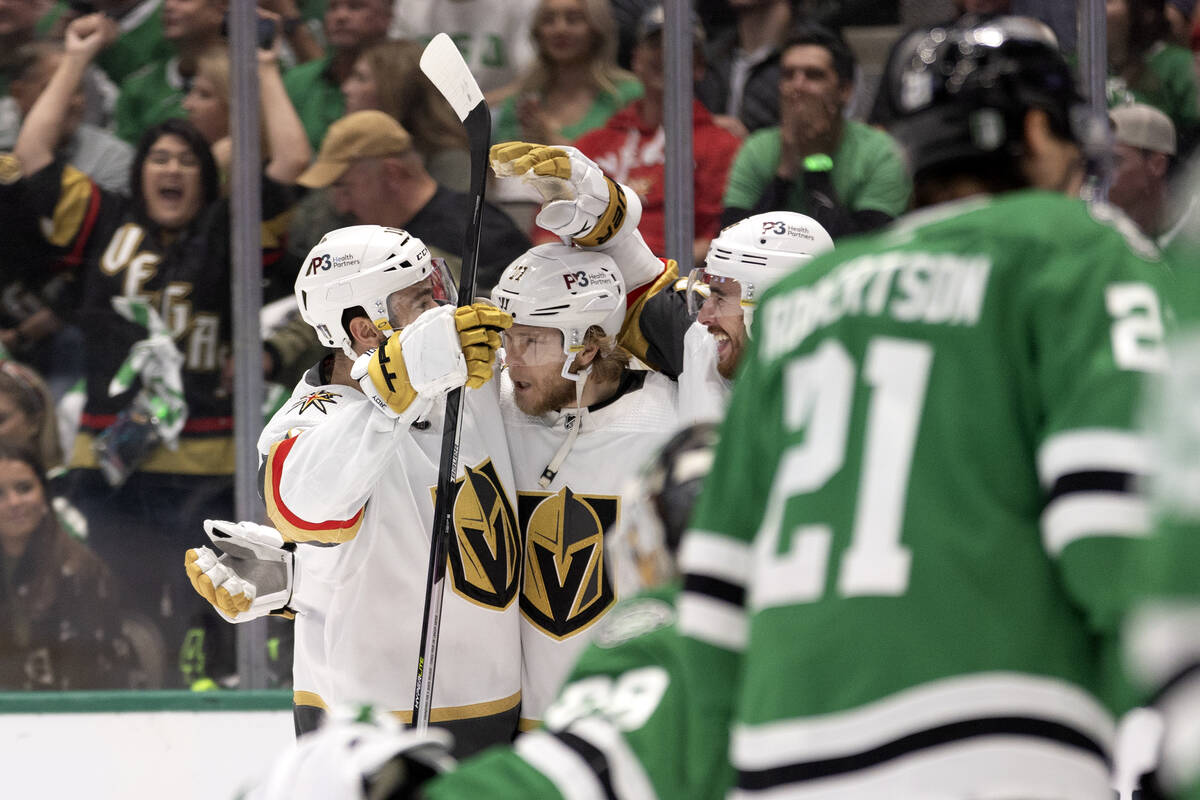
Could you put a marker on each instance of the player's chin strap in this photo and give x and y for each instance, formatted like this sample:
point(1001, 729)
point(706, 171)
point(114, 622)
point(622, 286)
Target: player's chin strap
point(551, 470)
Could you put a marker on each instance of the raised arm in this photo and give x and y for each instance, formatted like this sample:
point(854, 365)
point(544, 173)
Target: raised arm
point(286, 140)
point(43, 128)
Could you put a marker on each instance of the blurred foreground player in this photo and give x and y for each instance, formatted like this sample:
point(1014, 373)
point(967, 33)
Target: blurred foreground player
point(909, 582)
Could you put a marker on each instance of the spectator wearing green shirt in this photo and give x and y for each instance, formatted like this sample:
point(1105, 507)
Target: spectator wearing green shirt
point(351, 26)
point(846, 175)
point(1143, 67)
point(155, 92)
point(135, 32)
point(574, 84)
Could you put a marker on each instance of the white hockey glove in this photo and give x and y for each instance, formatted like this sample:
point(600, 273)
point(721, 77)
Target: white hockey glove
point(253, 578)
point(582, 205)
point(443, 349)
point(366, 757)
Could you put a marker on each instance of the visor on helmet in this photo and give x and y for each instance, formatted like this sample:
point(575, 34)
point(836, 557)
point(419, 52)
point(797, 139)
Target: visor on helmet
point(530, 346)
point(437, 289)
point(703, 285)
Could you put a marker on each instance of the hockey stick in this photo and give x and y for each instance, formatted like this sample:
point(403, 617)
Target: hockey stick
point(444, 66)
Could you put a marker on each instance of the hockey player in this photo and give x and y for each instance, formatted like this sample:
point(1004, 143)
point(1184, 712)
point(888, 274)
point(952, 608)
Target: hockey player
point(577, 419)
point(626, 696)
point(1163, 634)
point(743, 261)
point(352, 461)
point(910, 578)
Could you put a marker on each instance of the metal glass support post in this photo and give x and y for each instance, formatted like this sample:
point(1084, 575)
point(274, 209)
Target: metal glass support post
point(246, 280)
point(677, 124)
point(1093, 74)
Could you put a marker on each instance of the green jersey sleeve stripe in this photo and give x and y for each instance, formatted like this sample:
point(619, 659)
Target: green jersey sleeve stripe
point(1081, 515)
point(1089, 450)
point(597, 762)
point(712, 621)
point(716, 555)
point(564, 767)
point(931, 705)
point(945, 745)
point(629, 779)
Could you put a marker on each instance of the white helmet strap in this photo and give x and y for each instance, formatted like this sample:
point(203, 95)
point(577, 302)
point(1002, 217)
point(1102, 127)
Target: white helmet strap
point(551, 470)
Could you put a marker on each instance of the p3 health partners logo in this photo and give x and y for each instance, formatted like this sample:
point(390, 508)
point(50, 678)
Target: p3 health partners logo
point(566, 587)
point(485, 555)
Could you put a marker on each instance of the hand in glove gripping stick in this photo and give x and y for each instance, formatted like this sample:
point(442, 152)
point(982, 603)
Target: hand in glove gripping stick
point(253, 577)
point(479, 326)
point(579, 202)
point(443, 349)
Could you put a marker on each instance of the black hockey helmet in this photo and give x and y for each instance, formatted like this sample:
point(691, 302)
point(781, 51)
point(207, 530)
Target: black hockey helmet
point(642, 546)
point(961, 91)
point(676, 476)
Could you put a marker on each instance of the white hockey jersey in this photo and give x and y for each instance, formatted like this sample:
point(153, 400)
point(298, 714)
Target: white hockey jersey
point(703, 393)
point(565, 585)
point(360, 488)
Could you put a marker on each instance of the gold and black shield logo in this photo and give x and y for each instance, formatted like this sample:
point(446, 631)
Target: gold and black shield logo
point(566, 586)
point(484, 558)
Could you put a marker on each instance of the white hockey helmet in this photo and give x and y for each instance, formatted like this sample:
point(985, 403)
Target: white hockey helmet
point(758, 251)
point(566, 288)
point(359, 267)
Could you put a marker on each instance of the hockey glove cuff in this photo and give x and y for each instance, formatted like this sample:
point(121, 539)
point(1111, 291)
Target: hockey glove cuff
point(580, 202)
point(383, 377)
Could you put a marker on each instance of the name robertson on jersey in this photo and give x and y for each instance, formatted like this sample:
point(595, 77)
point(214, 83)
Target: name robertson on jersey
point(930, 288)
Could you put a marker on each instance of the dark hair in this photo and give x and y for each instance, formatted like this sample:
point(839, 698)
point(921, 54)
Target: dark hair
point(210, 183)
point(1147, 25)
point(812, 33)
point(10, 451)
point(29, 392)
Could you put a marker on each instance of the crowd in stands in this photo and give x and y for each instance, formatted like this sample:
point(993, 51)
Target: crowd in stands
point(115, 266)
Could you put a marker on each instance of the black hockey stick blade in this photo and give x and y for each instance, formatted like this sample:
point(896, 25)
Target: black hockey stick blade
point(444, 66)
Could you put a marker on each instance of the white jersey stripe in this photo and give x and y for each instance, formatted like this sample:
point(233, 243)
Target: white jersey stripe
point(992, 694)
point(1094, 449)
point(1008, 767)
point(564, 767)
point(629, 779)
point(716, 556)
point(712, 621)
point(1080, 515)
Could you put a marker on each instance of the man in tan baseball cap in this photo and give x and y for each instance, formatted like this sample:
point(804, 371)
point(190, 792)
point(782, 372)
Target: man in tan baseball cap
point(1143, 148)
point(355, 137)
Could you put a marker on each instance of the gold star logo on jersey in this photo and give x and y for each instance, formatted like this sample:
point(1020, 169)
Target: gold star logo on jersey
point(565, 587)
point(316, 400)
point(484, 559)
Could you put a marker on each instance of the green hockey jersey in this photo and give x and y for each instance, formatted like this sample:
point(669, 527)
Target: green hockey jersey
point(1163, 636)
point(624, 725)
point(912, 553)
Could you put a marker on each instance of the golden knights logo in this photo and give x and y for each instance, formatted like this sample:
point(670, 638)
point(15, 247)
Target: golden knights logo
point(317, 400)
point(484, 558)
point(566, 586)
